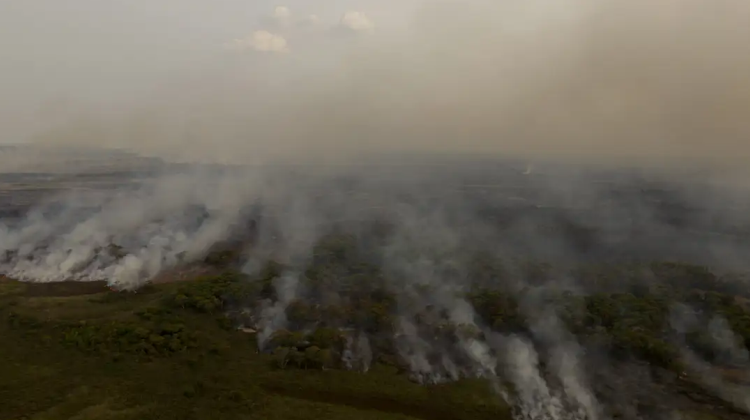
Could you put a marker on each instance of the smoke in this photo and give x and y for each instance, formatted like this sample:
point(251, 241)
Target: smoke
point(344, 94)
point(724, 342)
point(534, 398)
point(358, 353)
point(436, 223)
point(578, 79)
point(172, 220)
point(273, 315)
point(566, 363)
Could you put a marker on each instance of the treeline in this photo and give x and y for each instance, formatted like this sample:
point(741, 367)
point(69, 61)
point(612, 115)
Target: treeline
point(623, 308)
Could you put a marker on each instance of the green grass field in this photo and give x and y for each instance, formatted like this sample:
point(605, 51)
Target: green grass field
point(59, 363)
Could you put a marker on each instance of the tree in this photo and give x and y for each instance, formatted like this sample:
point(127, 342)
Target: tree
point(311, 357)
point(326, 338)
point(299, 313)
point(286, 338)
point(297, 357)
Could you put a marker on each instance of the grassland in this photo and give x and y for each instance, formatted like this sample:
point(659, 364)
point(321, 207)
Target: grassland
point(56, 365)
point(76, 350)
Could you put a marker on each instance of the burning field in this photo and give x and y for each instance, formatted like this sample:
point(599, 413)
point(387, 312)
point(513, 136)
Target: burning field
point(627, 301)
point(460, 209)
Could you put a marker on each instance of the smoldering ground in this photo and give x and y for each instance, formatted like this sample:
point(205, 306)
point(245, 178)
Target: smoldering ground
point(633, 89)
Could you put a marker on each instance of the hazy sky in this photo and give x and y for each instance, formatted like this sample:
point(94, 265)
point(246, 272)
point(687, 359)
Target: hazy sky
point(55, 54)
point(253, 80)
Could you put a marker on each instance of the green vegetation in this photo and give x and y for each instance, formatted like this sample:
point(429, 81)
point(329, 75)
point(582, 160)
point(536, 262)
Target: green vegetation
point(157, 355)
point(81, 351)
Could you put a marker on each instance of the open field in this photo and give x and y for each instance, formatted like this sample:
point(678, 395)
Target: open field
point(44, 377)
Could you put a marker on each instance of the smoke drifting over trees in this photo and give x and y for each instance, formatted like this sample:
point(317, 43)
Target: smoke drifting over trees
point(545, 279)
point(546, 283)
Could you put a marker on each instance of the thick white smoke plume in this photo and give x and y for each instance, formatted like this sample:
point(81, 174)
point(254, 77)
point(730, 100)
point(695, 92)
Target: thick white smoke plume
point(177, 219)
point(535, 400)
point(566, 363)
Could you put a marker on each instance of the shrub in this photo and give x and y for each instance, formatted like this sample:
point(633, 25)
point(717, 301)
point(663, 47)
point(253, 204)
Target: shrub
point(210, 294)
point(129, 338)
point(326, 338)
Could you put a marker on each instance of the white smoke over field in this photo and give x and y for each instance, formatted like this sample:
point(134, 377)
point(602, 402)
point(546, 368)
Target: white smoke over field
point(156, 227)
point(344, 98)
point(434, 224)
point(535, 400)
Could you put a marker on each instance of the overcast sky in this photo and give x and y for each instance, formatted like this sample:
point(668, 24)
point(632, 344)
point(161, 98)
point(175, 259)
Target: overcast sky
point(256, 79)
point(55, 54)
